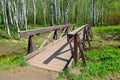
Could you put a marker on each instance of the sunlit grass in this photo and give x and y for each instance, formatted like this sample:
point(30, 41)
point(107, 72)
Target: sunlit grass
point(12, 62)
point(109, 32)
point(103, 60)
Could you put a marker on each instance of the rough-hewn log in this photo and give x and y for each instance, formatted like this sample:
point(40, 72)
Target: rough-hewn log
point(75, 54)
point(80, 36)
point(78, 30)
point(38, 31)
point(31, 46)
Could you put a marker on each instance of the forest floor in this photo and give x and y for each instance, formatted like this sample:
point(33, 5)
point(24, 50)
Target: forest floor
point(12, 64)
point(104, 55)
point(28, 73)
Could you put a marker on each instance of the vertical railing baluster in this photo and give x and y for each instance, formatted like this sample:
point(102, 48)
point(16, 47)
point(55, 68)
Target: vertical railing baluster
point(31, 46)
point(87, 38)
point(55, 35)
point(75, 48)
point(81, 51)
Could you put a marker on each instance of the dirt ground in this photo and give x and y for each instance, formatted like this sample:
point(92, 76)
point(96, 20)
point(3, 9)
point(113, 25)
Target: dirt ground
point(28, 73)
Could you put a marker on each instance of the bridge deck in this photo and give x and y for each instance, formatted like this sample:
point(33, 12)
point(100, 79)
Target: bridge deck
point(55, 56)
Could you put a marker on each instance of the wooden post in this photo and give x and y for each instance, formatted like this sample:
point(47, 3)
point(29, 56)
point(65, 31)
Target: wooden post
point(75, 48)
point(81, 51)
point(90, 33)
point(88, 40)
point(31, 46)
point(83, 56)
point(84, 36)
point(55, 35)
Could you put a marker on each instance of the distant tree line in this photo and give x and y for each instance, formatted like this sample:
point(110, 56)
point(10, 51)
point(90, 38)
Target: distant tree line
point(19, 13)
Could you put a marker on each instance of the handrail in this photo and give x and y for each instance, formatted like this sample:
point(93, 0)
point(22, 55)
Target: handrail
point(79, 41)
point(23, 34)
point(78, 30)
point(55, 32)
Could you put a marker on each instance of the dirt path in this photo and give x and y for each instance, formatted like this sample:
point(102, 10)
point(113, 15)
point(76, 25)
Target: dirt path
point(28, 73)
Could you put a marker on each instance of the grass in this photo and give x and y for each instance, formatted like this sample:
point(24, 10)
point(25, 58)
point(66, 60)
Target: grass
point(110, 32)
point(103, 61)
point(12, 51)
point(12, 62)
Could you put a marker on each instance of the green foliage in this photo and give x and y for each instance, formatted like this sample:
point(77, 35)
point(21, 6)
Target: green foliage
point(103, 60)
point(114, 18)
point(100, 63)
point(23, 63)
point(110, 32)
point(12, 62)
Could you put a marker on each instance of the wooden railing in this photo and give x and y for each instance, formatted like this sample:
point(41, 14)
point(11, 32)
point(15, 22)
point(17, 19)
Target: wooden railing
point(79, 40)
point(56, 32)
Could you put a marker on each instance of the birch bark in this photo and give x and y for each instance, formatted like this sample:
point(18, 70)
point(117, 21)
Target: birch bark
point(34, 6)
point(3, 3)
point(66, 12)
point(51, 13)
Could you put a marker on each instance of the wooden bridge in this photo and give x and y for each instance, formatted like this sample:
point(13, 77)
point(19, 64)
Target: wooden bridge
point(66, 43)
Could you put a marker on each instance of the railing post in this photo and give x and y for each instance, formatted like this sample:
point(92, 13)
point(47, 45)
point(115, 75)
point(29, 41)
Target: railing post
point(90, 33)
point(81, 51)
point(31, 46)
point(87, 36)
point(55, 35)
point(75, 55)
point(84, 37)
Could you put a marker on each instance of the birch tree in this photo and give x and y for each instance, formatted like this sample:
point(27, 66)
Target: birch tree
point(51, 13)
point(55, 11)
point(24, 12)
point(66, 12)
point(3, 3)
point(44, 11)
point(34, 7)
point(58, 12)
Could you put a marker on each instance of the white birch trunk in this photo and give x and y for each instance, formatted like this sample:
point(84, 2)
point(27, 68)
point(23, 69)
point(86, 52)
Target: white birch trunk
point(10, 15)
point(66, 12)
point(58, 12)
point(34, 7)
point(55, 11)
point(24, 13)
point(3, 3)
point(16, 16)
point(51, 12)
point(44, 11)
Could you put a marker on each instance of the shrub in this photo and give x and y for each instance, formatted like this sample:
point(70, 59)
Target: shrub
point(114, 18)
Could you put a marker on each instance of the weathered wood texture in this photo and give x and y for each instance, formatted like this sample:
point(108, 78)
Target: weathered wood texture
point(80, 36)
point(58, 54)
point(23, 34)
point(55, 31)
point(55, 56)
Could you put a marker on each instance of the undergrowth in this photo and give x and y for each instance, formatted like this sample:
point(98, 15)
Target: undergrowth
point(12, 62)
point(103, 60)
point(108, 33)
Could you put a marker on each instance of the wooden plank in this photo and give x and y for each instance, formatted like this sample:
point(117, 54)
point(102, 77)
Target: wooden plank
point(41, 30)
point(53, 57)
point(77, 30)
point(29, 56)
